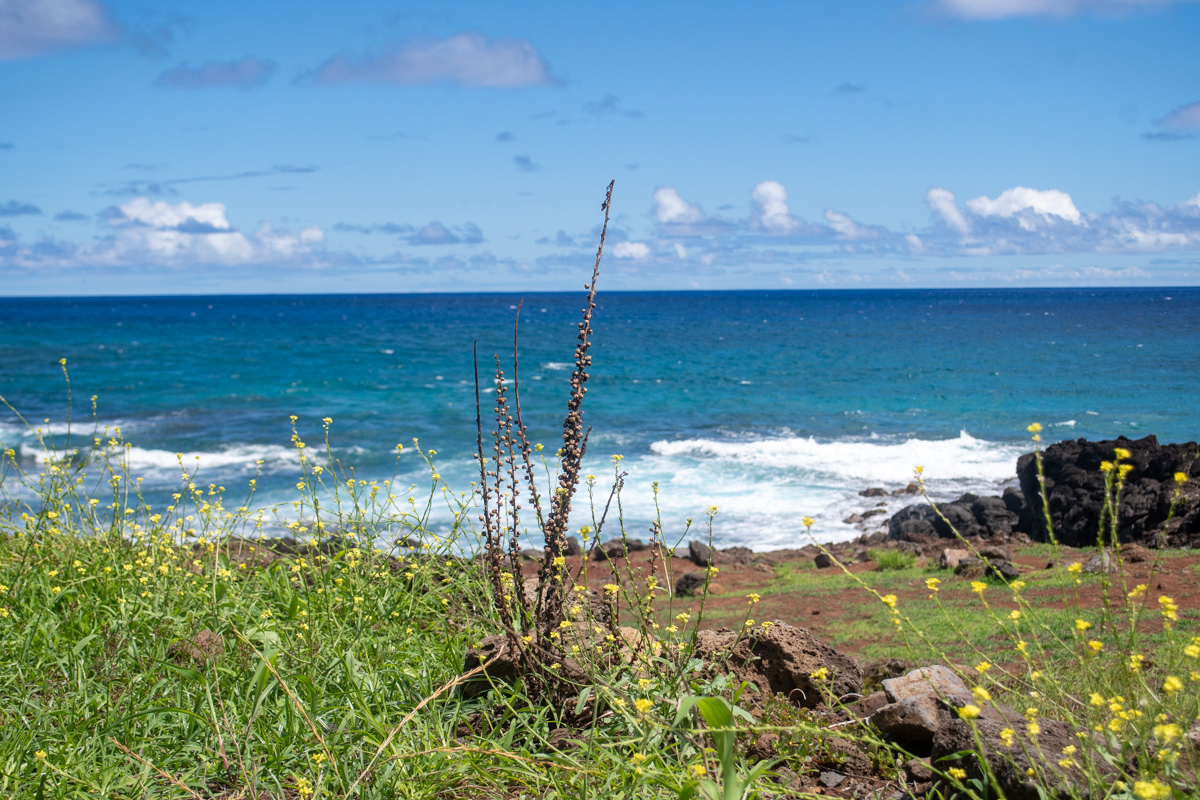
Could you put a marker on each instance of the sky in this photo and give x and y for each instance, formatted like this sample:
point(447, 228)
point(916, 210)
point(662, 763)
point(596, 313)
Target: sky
point(185, 148)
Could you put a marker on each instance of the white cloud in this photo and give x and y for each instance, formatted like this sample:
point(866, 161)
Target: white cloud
point(847, 229)
point(465, 59)
point(771, 209)
point(168, 234)
point(680, 251)
point(915, 244)
point(671, 209)
point(1013, 202)
point(1194, 202)
point(941, 202)
point(174, 215)
point(1184, 118)
point(631, 250)
point(1003, 9)
point(33, 27)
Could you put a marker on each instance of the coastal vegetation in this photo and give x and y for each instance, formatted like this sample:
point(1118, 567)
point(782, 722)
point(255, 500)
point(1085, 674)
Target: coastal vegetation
point(193, 648)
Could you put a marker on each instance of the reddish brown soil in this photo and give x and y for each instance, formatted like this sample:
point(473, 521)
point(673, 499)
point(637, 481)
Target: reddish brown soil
point(1173, 577)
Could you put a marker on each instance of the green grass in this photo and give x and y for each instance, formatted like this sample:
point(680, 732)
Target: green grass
point(886, 560)
point(338, 672)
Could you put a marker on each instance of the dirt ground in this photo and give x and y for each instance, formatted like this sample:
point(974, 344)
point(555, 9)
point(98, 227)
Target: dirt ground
point(1176, 575)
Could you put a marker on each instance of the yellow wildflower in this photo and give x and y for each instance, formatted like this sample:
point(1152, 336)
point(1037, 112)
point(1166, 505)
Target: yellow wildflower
point(819, 674)
point(1082, 625)
point(957, 773)
point(1172, 684)
point(643, 705)
point(970, 711)
point(1006, 737)
point(889, 600)
point(977, 587)
point(1151, 790)
point(981, 694)
point(1167, 733)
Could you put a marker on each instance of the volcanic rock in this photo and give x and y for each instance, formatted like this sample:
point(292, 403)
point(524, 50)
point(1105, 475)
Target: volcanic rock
point(781, 660)
point(1075, 489)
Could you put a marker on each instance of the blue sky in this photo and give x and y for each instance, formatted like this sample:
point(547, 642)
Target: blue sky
point(151, 148)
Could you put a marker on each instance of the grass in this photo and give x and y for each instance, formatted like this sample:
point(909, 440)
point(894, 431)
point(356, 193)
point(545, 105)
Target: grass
point(886, 560)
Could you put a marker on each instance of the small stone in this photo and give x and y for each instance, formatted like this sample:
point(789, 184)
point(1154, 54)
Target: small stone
point(700, 554)
point(830, 779)
point(823, 561)
point(874, 491)
point(689, 584)
point(918, 770)
point(952, 557)
point(573, 548)
point(1100, 563)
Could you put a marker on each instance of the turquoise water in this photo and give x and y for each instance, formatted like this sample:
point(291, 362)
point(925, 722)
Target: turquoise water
point(770, 405)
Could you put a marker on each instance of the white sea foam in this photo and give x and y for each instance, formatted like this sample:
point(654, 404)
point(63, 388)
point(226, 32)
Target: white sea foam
point(155, 465)
point(244, 456)
point(558, 366)
point(764, 487)
point(860, 462)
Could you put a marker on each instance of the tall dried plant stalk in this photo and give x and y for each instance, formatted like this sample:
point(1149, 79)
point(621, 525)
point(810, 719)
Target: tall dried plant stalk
point(508, 471)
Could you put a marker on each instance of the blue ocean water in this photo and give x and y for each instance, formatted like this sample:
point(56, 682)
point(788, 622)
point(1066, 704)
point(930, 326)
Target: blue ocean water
point(769, 405)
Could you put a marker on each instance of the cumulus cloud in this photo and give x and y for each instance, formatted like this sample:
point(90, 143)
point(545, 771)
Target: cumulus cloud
point(941, 202)
point(670, 208)
point(15, 208)
point(1018, 220)
point(245, 73)
point(171, 233)
point(30, 28)
point(846, 229)
point(464, 59)
point(771, 212)
point(633, 250)
point(525, 164)
point(147, 233)
point(1003, 9)
point(1028, 206)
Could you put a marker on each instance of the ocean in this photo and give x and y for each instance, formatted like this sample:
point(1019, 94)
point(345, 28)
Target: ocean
point(770, 405)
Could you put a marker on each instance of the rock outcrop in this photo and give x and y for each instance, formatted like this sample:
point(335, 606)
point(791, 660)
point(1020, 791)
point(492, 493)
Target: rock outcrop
point(781, 660)
point(969, 516)
point(1075, 489)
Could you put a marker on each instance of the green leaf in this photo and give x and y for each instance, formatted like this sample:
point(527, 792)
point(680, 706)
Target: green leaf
point(583, 698)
